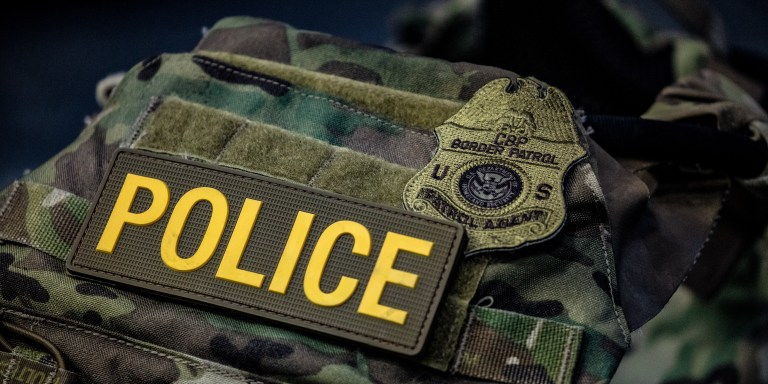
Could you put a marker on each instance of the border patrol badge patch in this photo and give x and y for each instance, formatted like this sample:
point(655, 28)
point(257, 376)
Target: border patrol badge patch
point(500, 165)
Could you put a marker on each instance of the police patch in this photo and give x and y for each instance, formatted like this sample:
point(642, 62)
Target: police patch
point(270, 248)
point(500, 166)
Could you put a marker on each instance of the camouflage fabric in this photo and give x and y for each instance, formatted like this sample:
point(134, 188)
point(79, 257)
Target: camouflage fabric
point(673, 245)
point(717, 338)
point(123, 323)
point(707, 332)
point(16, 368)
point(721, 339)
point(708, 96)
point(333, 114)
point(526, 351)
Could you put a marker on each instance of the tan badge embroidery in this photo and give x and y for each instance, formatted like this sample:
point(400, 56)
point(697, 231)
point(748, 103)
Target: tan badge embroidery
point(500, 165)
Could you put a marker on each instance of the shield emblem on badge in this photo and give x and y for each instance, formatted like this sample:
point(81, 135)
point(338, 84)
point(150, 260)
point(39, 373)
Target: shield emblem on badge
point(500, 165)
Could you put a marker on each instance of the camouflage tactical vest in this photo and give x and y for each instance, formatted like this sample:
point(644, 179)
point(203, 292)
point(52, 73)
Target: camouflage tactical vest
point(570, 241)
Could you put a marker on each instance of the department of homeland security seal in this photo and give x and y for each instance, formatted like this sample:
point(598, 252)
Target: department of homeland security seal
point(500, 166)
point(490, 185)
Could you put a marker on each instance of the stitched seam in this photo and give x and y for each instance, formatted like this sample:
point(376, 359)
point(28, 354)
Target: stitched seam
point(323, 166)
point(7, 373)
point(712, 228)
point(51, 375)
point(464, 341)
point(566, 357)
point(205, 61)
point(603, 242)
point(158, 57)
point(417, 132)
point(177, 359)
point(137, 131)
point(432, 303)
point(11, 196)
point(229, 141)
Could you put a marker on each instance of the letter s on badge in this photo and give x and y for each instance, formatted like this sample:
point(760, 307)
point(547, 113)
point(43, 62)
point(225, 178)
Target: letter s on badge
point(512, 196)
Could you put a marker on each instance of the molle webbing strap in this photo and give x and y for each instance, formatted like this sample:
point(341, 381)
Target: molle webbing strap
point(15, 369)
point(734, 154)
point(191, 130)
point(512, 348)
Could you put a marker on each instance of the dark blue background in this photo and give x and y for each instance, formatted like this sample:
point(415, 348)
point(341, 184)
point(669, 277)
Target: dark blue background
point(52, 58)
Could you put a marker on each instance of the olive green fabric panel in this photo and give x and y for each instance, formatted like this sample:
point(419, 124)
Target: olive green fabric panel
point(512, 348)
point(316, 164)
point(407, 108)
point(364, 177)
point(179, 127)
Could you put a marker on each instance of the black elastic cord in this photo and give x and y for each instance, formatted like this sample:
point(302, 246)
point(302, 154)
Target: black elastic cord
point(735, 154)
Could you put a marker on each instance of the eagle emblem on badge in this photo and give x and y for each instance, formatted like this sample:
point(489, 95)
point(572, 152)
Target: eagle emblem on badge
point(500, 165)
point(490, 186)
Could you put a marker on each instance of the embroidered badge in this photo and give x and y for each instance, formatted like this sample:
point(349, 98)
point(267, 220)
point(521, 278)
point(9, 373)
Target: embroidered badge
point(500, 165)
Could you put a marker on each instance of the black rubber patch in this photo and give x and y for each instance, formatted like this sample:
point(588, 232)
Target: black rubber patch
point(149, 222)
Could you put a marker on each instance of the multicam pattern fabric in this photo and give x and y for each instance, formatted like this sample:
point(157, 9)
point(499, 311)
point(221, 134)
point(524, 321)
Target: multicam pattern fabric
point(719, 338)
point(568, 284)
point(708, 96)
point(49, 217)
point(181, 342)
point(16, 368)
point(276, 42)
point(528, 348)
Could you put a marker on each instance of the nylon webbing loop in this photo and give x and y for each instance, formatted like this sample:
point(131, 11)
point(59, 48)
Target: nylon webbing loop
point(732, 153)
point(16, 369)
point(510, 347)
